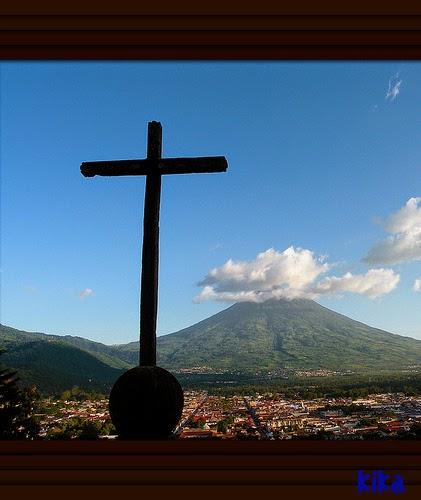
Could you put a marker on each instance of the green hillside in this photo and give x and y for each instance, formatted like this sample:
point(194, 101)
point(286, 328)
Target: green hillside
point(9, 337)
point(127, 353)
point(54, 366)
point(246, 337)
point(285, 334)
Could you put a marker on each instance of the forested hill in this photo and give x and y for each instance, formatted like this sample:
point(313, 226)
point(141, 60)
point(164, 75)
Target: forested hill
point(55, 363)
point(285, 333)
point(276, 334)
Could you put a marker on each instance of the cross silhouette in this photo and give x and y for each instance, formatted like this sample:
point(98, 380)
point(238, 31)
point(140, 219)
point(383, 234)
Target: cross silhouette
point(153, 166)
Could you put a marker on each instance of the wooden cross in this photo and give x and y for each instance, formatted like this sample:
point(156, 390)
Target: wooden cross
point(153, 167)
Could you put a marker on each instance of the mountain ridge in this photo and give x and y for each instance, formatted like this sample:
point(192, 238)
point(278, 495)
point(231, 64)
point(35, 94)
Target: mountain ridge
point(277, 334)
point(302, 332)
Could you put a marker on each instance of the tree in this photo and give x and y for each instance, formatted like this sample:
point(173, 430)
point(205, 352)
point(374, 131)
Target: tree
point(78, 394)
point(16, 408)
point(196, 422)
point(367, 422)
point(222, 426)
point(78, 428)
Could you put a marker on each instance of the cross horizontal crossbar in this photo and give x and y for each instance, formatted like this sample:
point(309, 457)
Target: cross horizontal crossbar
point(164, 166)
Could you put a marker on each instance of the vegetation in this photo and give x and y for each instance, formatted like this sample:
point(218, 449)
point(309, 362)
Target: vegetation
point(10, 337)
point(293, 334)
point(78, 428)
point(367, 422)
point(222, 425)
point(16, 408)
point(54, 366)
point(78, 394)
point(196, 422)
point(347, 409)
point(243, 342)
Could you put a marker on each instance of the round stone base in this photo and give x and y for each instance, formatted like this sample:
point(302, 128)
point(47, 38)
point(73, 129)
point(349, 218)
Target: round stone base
point(146, 402)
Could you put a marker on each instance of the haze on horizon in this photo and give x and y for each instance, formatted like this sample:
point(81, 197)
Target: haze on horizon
point(322, 199)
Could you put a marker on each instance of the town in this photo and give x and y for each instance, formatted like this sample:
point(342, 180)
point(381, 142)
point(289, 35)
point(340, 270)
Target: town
point(268, 416)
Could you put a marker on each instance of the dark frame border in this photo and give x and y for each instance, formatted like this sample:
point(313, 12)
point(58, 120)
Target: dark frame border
point(216, 29)
point(212, 468)
point(360, 30)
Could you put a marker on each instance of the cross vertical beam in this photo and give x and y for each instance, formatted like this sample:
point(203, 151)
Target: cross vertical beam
point(154, 166)
point(150, 252)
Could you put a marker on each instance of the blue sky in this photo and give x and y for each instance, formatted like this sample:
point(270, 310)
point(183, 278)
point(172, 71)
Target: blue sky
point(320, 199)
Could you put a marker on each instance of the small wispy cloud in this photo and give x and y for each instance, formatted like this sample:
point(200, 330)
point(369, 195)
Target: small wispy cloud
point(417, 285)
point(217, 246)
point(87, 292)
point(394, 88)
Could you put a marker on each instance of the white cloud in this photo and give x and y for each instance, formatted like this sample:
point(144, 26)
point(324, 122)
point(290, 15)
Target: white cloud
point(86, 293)
point(404, 244)
point(394, 88)
point(292, 267)
point(417, 285)
point(289, 274)
point(374, 283)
